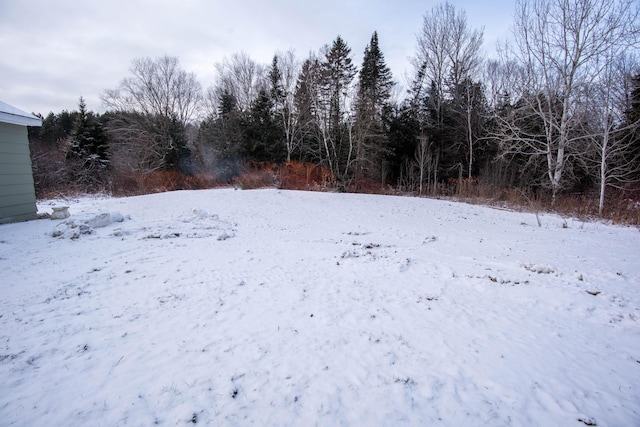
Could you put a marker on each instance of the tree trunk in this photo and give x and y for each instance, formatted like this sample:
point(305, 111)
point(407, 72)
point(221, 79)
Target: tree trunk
point(470, 136)
point(603, 170)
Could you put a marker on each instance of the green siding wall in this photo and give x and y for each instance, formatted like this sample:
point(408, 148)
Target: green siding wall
point(17, 194)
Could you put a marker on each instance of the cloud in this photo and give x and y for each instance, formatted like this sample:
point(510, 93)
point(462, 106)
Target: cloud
point(56, 52)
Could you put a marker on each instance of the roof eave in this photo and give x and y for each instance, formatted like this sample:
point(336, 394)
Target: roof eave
point(19, 120)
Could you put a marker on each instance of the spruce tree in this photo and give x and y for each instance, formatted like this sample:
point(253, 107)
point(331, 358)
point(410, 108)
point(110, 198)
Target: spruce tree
point(304, 102)
point(338, 72)
point(228, 104)
point(278, 114)
point(177, 155)
point(275, 79)
point(87, 154)
point(227, 136)
point(220, 141)
point(376, 80)
point(631, 123)
point(262, 135)
point(374, 91)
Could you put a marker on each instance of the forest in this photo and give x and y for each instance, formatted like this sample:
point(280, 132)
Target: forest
point(553, 121)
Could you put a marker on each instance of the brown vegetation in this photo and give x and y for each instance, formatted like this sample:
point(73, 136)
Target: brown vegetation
point(132, 182)
point(622, 207)
point(304, 176)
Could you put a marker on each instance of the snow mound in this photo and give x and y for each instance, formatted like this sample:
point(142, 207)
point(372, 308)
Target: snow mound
point(196, 224)
point(540, 268)
point(199, 214)
point(74, 228)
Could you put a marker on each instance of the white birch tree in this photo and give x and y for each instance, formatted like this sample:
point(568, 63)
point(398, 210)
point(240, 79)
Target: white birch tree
point(284, 73)
point(560, 45)
point(329, 89)
point(615, 162)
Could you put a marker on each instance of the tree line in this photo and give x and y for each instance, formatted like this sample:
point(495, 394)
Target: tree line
point(557, 111)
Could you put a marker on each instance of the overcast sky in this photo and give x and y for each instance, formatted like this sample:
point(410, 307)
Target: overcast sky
point(53, 52)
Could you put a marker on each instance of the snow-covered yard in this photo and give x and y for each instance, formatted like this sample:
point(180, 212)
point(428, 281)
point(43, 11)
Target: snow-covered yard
point(270, 307)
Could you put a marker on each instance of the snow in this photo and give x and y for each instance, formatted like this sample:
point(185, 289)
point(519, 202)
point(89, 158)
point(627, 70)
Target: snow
point(270, 307)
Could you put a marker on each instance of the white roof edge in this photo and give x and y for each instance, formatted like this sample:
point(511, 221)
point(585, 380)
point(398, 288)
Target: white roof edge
point(15, 116)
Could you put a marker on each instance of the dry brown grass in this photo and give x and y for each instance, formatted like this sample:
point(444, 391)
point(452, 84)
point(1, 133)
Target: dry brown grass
point(304, 176)
point(621, 207)
point(127, 183)
point(255, 178)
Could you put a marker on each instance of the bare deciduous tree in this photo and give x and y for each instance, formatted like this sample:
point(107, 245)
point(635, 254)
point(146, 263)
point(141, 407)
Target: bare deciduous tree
point(448, 53)
point(241, 77)
point(157, 87)
point(560, 46)
point(135, 147)
point(150, 112)
point(615, 161)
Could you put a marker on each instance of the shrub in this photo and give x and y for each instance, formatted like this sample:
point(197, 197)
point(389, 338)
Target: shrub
point(303, 176)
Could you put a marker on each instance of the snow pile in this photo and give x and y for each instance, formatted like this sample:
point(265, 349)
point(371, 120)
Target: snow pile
point(323, 309)
point(74, 228)
point(540, 269)
point(197, 223)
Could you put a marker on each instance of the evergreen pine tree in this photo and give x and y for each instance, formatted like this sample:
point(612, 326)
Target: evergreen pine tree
point(632, 121)
point(87, 154)
point(337, 72)
point(220, 139)
point(376, 80)
point(372, 103)
point(632, 113)
point(262, 136)
point(275, 79)
point(178, 154)
point(306, 94)
point(278, 112)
